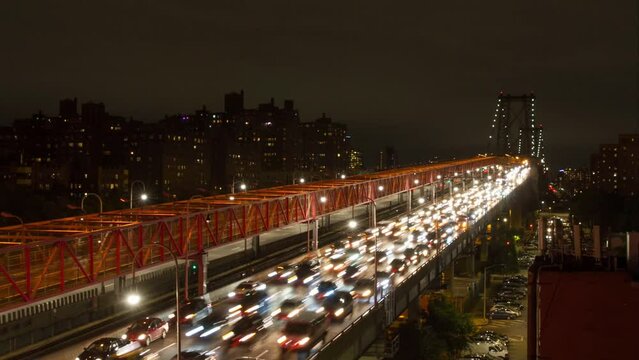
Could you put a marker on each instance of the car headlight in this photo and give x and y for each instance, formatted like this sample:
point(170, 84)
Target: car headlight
point(304, 341)
point(123, 337)
point(339, 311)
point(171, 316)
point(189, 316)
point(281, 339)
point(77, 358)
point(141, 336)
point(366, 293)
point(228, 335)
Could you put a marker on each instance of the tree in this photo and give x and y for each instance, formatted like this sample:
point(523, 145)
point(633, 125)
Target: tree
point(447, 332)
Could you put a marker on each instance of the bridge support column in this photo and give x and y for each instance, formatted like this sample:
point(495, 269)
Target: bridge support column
point(202, 269)
point(255, 245)
point(414, 311)
point(315, 234)
point(373, 215)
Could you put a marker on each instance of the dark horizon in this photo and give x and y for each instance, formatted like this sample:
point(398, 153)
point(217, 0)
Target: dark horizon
point(422, 77)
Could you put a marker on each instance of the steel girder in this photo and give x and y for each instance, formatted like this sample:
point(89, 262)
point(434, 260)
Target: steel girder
point(46, 259)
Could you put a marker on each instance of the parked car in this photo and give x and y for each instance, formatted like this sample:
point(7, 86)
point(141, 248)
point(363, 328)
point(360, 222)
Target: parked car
point(502, 314)
point(147, 330)
point(490, 348)
point(510, 303)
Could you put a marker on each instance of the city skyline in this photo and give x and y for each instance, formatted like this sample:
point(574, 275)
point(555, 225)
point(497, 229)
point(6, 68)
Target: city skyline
point(400, 71)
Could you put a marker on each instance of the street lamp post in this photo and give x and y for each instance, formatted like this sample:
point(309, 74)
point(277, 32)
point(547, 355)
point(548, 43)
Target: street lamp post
point(374, 216)
point(486, 268)
point(134, 298)
point(86, 195)
point(143, 196)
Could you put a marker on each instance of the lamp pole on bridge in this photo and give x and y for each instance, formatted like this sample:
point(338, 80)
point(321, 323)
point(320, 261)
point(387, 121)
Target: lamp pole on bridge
point(134, 298)
point(143, 196)
point(86, 195)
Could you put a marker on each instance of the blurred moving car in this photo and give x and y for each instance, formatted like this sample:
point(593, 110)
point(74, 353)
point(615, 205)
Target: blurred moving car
point(324, 289)
point(289, 308)
point(193, 310)
point(147, 330)
point(247, 330)
point(338, 305)
point(246, 287)
point(195, 355)
point(303, 331)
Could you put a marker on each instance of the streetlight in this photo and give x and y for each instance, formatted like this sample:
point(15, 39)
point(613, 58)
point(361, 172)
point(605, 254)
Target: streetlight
point(186, 255)
point(421, 200)
point(243, 187)
point(485, 270)
point(143, 196)
point(322, 199)
point(134, 298)
point(86, 195)
point(343, 176)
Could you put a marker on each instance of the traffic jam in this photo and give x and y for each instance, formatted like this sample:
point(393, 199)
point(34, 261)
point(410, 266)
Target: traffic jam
point(295, 308)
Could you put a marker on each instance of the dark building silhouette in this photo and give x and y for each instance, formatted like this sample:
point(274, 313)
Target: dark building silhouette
point(615, 168)
point(205, 152)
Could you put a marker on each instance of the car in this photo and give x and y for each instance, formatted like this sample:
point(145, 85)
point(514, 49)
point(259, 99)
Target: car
point(324, 289)
point(384, 279)
point(192, 311)
point(303, 331)
point(337, 262)
point(364, 289)
point(254, 301)
point(411, 255)
point(306, 275)
point(397, 266)
point(505, 307)
point(351, 273)
point(338, 305)
point(283, 274)
point(310, 263)
point(422, 250)
point(514, 290)
point(246, 330)
point(245, 287)
point(147, 330)
point(512, 303)
point(110, 347)
point(502, 314)
point(195, 355)
point(399, 246)
point(211, 324)
point(491, 336)
point(491, 348)
point(506, 294)
point(289, 308)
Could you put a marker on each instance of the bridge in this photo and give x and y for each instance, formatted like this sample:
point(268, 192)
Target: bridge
point(52, 264)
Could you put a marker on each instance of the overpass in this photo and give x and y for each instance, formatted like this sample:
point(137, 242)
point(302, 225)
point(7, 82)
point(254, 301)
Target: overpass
point(49, 264)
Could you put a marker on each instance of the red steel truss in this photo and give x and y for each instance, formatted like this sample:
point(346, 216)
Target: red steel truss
point(45, 259)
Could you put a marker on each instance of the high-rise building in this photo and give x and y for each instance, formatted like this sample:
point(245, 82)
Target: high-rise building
point(615, 168)
point(325, 149)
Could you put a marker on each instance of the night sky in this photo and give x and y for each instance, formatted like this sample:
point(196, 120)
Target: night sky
point(421, 76)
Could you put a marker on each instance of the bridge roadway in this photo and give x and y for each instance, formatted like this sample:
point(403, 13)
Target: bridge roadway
point(364, 321)
point(47, 259)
